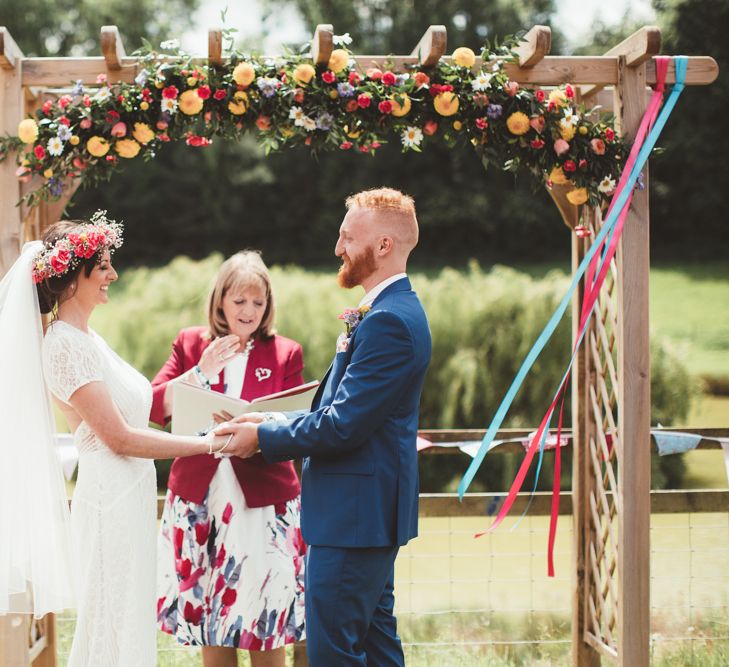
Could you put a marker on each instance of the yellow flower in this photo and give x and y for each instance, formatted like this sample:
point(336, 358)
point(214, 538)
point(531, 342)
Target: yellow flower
point(28, 131)
point(191, 81)
point(583, 130)
point(243, 74)
point(333, 94)
point(48, 173)
point(159, 84)
point(567, 131)
point(557, 176)
point(303, 74)
point(577, 196)
point(338, 60)
point(464, 57)
point(446, 104)
point(457, 125)
point(558, 98)
point(354, 133)
point(286, 131)
point(518, 123)
point(144, 106)
point(190, 103)
point(74, 140)
point(403, 109)
point(239, 104)
point(143, 133)
point(127, 148)
point(97, 146)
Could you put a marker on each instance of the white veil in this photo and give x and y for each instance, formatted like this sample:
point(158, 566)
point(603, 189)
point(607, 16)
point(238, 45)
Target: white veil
point(35, 544)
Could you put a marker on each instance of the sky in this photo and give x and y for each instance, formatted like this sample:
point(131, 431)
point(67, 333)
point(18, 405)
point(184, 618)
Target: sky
point(574, 16)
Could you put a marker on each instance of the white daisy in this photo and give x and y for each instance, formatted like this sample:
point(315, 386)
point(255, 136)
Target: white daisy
point(297, 115)
point(342, 40)
point(102, 95)
point(168, 105)
point(607, 185)
point(170, 45)
point(481, 82)
point(570, 117)
point(54, 146)
point(309, 124)
point(411, 136)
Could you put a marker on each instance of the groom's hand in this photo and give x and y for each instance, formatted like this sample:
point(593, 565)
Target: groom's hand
point(251, 417)
point(245, 438)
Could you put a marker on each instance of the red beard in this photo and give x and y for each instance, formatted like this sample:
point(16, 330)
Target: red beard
point(357, 270)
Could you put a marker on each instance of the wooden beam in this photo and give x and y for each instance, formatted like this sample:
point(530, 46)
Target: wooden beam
point(534, 45)
point(112, 47)
point(634, 394)
point(323, 43)
point(432, 46)
point(637, 48)
point(9, 51)
point(215, 47)
point(550, 71)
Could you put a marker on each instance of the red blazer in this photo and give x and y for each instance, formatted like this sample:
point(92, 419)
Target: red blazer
point(262, 483)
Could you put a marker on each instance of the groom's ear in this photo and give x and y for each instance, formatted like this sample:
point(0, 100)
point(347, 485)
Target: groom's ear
point(385, 245)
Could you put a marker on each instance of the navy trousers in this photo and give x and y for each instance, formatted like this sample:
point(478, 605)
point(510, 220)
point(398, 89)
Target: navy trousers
point(349, 607)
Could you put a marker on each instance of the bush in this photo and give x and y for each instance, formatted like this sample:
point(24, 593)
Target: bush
point(483, 323)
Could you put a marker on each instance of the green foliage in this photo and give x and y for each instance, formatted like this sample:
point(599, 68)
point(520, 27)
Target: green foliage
point(482, 323)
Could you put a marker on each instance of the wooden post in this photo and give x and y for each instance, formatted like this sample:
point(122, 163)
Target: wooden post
point(215, 47)
point(323, 43)
point(534, 45)
point(634, 396)
point(112, 47)
point(432, 46)
point(12, 109)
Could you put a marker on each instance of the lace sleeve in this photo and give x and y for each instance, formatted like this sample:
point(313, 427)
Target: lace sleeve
point(69, 363)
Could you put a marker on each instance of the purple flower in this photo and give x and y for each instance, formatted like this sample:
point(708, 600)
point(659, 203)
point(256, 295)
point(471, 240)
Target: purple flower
point(345, 89)
point(141, 78)
point(64, 132)
point(78, 88)
point(325, 121)
point(494, 111)
point(55, 186)
point(268, 86)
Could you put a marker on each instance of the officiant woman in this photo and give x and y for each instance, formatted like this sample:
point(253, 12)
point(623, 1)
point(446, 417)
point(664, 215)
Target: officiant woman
point(231, 557)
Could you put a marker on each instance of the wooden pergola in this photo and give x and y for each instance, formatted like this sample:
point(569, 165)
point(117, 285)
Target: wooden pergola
point(611, 385)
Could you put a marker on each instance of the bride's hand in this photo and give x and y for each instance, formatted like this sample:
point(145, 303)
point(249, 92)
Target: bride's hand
point(218, 354)
point(249, 418)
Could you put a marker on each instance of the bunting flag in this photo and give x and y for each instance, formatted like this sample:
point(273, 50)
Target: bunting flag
point(595, 266)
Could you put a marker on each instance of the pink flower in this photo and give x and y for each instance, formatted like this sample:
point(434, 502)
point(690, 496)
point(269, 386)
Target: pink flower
point(609, 133)
point(582, 164)
point(101, 78)
point(388, 79)
point(59, 260)
point(353, 78)
point(385, 106)
point(351, 106)
point(421, 79)
point(430, 128)
point(346, 145)
point(511, 88)
point(537, 123)
point(374, 74)
point(47, 106)
point(197, 141)
point(328, 77)
point(482, 123)
point(220, 559)
point(364, 100)
point(539, 94)
point(64, 101)
point(85, 123)
point(227, 513)
point(561, 146)
point(220, 94)
point(86, 100)
point(364, 149)
point(598, 146)
point(119, 130)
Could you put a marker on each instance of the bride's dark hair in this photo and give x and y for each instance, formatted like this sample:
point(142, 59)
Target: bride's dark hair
point(51, 290)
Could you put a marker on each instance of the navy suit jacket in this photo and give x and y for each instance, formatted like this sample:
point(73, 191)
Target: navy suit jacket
point(360, 471)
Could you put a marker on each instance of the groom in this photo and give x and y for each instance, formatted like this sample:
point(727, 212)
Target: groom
point(360, 471)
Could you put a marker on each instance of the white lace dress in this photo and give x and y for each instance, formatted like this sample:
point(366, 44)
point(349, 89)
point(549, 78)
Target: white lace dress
point(113, 512)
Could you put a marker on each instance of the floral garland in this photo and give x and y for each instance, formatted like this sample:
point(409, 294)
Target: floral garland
point(83, 243)
point(289, 102)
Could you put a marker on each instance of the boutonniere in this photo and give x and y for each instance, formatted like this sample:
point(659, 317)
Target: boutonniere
point(352, 318)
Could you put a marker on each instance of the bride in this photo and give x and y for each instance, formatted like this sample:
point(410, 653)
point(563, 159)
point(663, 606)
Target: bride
point(108, 565)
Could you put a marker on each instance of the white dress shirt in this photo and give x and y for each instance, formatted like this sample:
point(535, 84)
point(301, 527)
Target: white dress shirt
point(369, 298)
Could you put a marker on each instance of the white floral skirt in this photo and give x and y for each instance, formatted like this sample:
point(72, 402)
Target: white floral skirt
point(229, 574)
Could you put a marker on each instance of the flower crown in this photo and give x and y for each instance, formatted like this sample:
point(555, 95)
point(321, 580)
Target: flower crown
point(83, 242)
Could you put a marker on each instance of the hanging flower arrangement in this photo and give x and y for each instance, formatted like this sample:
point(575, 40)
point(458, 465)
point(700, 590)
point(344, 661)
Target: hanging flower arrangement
point(287, 101)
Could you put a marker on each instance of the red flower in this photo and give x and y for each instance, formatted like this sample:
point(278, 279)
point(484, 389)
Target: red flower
point(220, 559)
point(430, 128)
point(388, 79)
point(385, 106)
point(193, 614)
point(511, 88)
point(146, 95)
point(346, 145)
point(263, 123)
point(112, 116)
point(569, 91)
point(328, 77)
point(609, 133)
point(364, 100)
point(374, 144)
point(353, 78)
point(227, 513)
point(85, 123)
point(569, 166)
point(197, 141)
point(539, 94)
point(537, 143)
point(120, 99)
point(47, 106)
point(374, 74)
point(160, 602)
point(582, 164)
point(64, 101)
point(203, 92)
point(421, 79)
point(482, 123)
point(86, 101)
point(229, 597)
point(351, 106)
point(436, 89)
point(185, 568)
point(59, 260)
point(111, 158)
point(364, 149)
point(202, 532)
point(219, 584)
point(581, 231)
point(64, 121)
point(220, 94)
point(299, 95)
point(163, 137)
point(170, 93)
point(39, 152)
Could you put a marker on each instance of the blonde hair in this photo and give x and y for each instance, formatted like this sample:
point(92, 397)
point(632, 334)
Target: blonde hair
point(393, 205)
point(240, 272)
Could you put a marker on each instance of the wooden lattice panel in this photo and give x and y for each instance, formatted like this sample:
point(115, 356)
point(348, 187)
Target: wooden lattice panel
point(602, 550)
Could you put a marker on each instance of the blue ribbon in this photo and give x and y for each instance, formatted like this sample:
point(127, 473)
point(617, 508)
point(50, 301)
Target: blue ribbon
point(681, 65)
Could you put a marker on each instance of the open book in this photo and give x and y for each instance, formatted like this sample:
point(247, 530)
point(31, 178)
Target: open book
point(193, 407)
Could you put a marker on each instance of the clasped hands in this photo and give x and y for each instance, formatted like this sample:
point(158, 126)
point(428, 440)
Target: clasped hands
point(244, 432)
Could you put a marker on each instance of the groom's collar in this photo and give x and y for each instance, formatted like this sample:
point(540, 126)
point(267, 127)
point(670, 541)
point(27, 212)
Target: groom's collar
point(369, 298)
